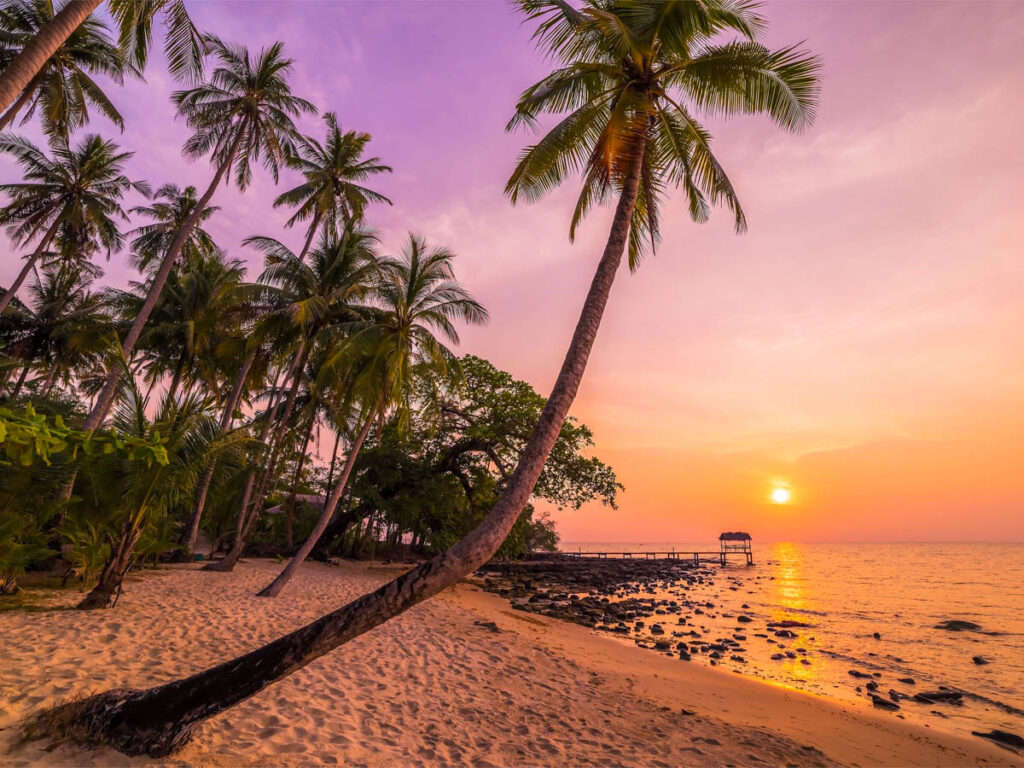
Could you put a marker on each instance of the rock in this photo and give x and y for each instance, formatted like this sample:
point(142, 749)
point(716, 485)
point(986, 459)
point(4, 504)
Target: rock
point(488, 625)
point(743, 619)
point(657, 629)
point(980, 660)
point(908, 680)
point(877, 636)
point(662, 645)
point(881, 703)
point(855, 673)
point(958, 625)
point(871, 686)
point(785, 633)
point(684, 656)
point(1002, 737)
point(930, 697)
point(777, 656)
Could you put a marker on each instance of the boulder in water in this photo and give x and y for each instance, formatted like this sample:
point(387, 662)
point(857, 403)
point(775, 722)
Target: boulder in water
point(958, 625)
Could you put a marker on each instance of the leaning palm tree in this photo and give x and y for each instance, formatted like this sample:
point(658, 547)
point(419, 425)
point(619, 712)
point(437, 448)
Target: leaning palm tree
point(169, 212)
point(242, 116)
point(621, 66)
point(394, 354)
point(78, 190)
point(183, 45)
point(63, 90)
point(333, 192)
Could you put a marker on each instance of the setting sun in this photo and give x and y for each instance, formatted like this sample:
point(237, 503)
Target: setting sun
point(781, 495)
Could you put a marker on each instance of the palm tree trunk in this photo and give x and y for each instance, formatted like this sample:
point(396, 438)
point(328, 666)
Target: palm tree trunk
point(25, 98)
point(27, 64)
point(106, 395)
point(176, 379)
point(247, 516)
point(309, 237)
point(192, 529)
point(274, 588)
point(21, 380)
point(51, 379)
point(334, 458)
point(161, 720)
point(289, 520)
point(29, 264)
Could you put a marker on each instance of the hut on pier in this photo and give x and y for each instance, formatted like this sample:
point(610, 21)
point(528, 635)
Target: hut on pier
point(738, 542)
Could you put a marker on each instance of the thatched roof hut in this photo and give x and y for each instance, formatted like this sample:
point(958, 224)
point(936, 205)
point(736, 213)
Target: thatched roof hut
point(735, 541)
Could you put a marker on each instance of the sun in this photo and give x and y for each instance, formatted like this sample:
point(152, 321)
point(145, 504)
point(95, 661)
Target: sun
point(781, 495)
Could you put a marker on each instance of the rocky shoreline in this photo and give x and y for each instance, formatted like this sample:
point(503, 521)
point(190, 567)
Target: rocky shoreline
point(663, 605)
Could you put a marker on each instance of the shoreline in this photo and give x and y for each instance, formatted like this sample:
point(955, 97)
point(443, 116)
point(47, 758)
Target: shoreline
point(435, 686)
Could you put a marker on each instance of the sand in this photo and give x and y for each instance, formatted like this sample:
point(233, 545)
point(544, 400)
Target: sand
point(431, 687)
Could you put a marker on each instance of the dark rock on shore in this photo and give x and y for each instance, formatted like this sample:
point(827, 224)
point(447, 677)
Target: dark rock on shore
point(980, 660)
point(931, 697)
point(958, 625)
point(1002, 737)
point(881, 703)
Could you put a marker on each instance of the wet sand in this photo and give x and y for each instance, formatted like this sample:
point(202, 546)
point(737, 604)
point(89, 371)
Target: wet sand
point(432, 687)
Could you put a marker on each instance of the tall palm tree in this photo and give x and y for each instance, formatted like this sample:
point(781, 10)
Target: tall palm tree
point(310, 297)
point(170, 210)
point(78, 189)
point(394, 353)
point(63, 89)
point(183, 45)
point(333, 192)
point(620, 59)
point(241, 116)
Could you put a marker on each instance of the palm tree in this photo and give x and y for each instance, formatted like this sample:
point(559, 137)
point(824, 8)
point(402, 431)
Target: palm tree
point(63, 89)
point(395, 353)
point(183, 44)
point(619, 62)
point(310, 297)
point(241, 116)
point(171, 209)
point(63, 328)
point(79, 190)
point(333, 191)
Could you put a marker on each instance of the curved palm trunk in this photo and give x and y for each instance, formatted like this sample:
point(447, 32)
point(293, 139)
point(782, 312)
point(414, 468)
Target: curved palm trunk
point(247, 516)
point(27, 64)
point(29, 264)
point(160, 720)
point(192, 528)
point(274, 588)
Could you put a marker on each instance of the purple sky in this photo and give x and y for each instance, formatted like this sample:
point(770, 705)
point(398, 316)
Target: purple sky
point(861, 345)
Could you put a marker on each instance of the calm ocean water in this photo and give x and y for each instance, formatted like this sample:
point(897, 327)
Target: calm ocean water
point(848, 592)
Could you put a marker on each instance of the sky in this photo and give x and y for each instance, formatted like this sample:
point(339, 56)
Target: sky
point(861, 345)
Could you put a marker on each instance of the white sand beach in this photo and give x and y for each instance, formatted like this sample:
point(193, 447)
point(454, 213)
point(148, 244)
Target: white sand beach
point(430, 688)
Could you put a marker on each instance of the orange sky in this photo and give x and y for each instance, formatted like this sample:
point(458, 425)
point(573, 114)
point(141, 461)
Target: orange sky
point(864, 342)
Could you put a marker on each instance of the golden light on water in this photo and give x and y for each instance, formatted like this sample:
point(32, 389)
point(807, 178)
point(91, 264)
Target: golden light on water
point(781, 495)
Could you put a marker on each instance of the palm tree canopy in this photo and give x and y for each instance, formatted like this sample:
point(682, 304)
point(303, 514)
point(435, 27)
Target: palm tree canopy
point(335, 172)
point(64, 89)
point(79, 188)
point(245, 107)
point(632, 76)
point(402, 346)
point(168, 213)
point(183, 43)
point(328, 289)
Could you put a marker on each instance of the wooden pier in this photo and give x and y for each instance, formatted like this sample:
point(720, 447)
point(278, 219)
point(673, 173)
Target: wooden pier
point(730, 544)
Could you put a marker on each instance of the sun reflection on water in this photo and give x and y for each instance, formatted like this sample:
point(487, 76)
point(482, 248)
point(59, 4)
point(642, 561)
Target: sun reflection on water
point(792, 603)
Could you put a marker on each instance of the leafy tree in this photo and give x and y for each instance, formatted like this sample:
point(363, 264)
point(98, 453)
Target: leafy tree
point(183, 43)
point(334, 191)
point(394, 354)
point(169, 213)
point(63, 90)
point(241, 116)
point(78, 191)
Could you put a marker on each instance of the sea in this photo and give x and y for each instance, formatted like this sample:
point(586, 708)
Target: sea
point(843, 595)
